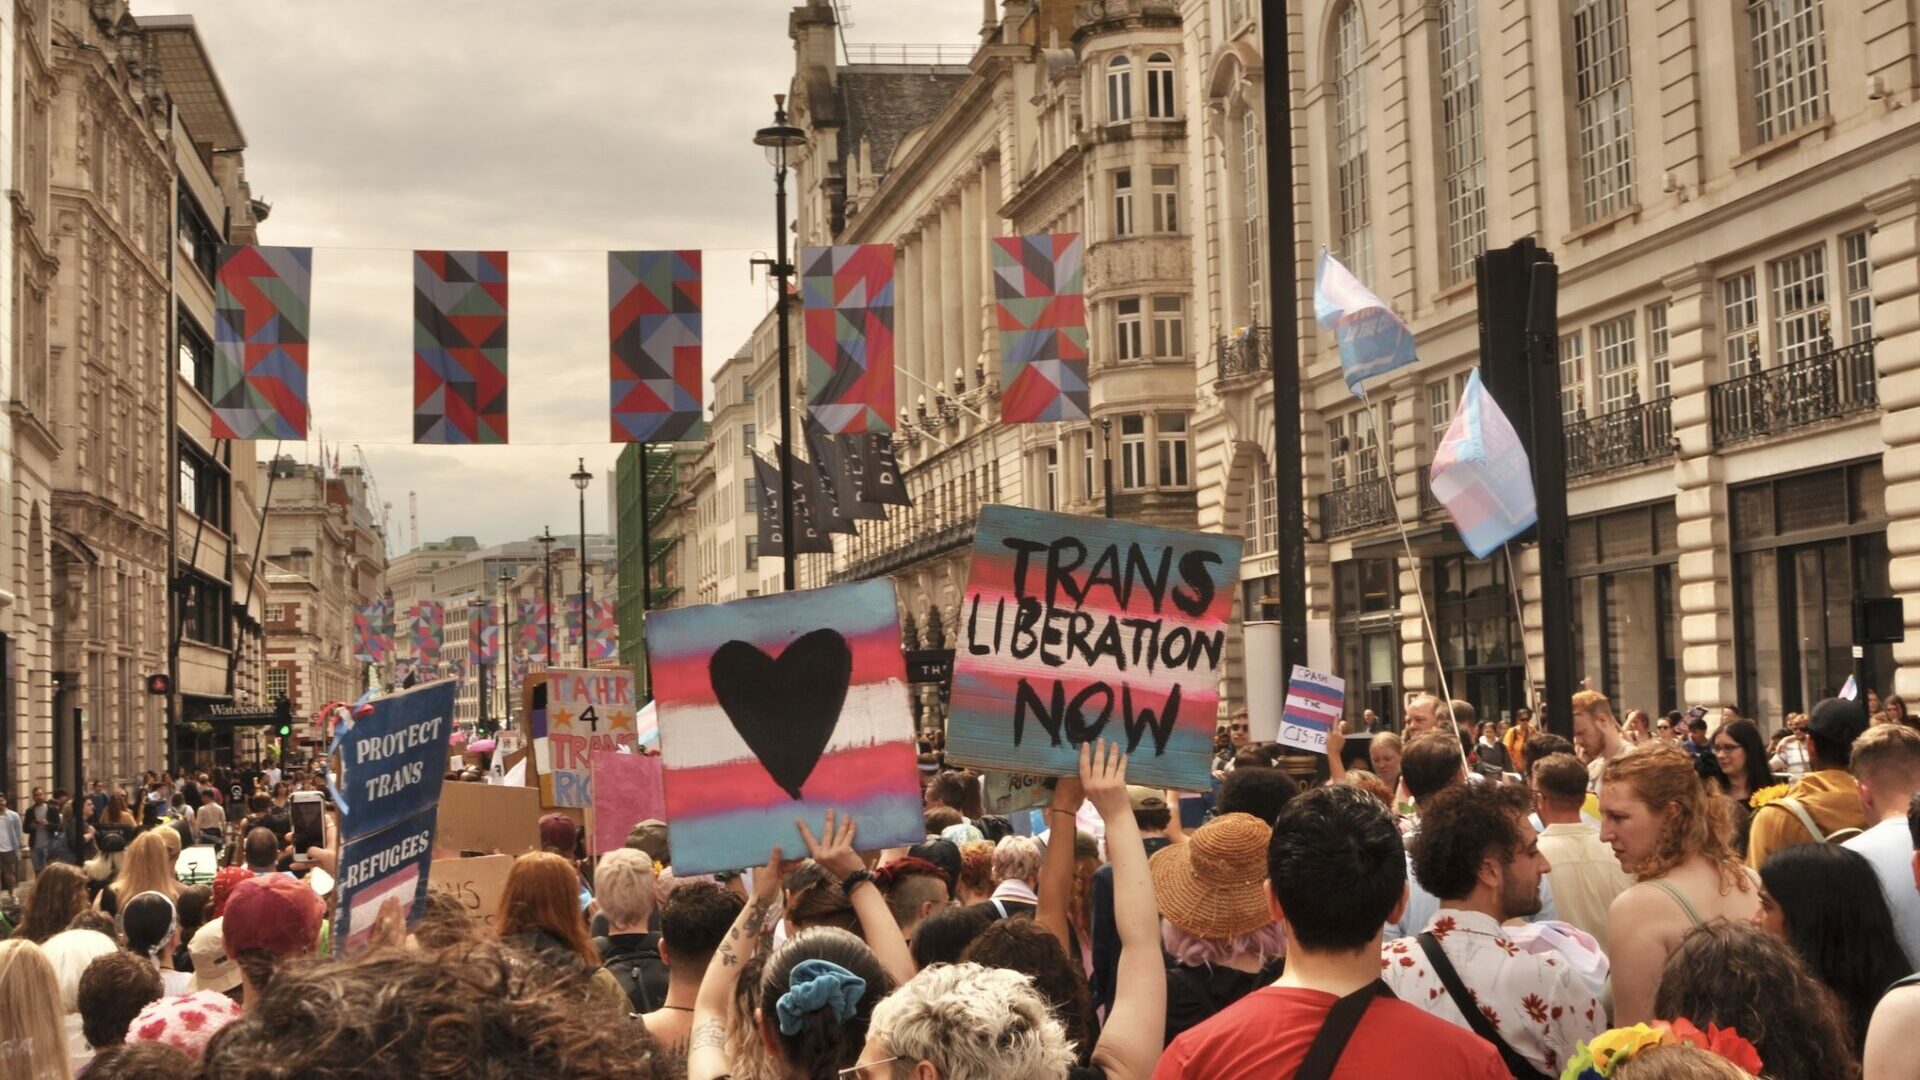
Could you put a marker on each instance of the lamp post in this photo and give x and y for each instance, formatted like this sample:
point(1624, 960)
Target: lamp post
point(1106, 460)
point(777, 140)
point(546, 589)
point(506, 649)
point(478, 605)
point(581, 478)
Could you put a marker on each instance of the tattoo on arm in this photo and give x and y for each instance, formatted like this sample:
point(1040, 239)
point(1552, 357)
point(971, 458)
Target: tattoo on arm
point(712, 1033)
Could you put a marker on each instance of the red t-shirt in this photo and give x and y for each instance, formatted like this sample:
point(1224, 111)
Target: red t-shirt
point(1266, 1035)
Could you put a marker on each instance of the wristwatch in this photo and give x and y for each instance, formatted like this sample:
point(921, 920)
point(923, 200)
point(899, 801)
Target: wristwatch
point(853, 880)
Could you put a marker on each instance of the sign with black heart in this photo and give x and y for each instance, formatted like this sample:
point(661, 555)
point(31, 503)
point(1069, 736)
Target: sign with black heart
point(782, 707)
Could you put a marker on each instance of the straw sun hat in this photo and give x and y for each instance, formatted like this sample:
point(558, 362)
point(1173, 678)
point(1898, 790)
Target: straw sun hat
point(1214, 885)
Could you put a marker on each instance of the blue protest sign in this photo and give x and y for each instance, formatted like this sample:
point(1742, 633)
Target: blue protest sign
point(392, 760)
point(387, 867)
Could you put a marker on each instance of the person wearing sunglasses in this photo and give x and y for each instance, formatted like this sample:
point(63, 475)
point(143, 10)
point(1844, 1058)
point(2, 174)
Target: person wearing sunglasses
point(1239, 737)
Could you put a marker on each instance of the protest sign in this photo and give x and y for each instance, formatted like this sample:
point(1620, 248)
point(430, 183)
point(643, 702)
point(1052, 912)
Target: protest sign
point(1315, 702)
point(388, 798)
point(1075, 629)
point(488, 817)
point(1010, 793)
point(476, 883)
point(627, 790)
point(783, 707)
point(587, 710)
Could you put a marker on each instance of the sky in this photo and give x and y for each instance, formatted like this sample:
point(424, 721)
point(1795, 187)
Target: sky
point(557, 130)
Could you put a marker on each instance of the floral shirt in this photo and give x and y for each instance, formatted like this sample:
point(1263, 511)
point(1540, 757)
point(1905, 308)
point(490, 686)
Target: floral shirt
point(1537, 1003)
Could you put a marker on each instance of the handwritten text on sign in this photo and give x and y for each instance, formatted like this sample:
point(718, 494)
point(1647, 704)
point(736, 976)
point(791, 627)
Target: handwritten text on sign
point(587, 710)
point(1315, 702)
point(1075, 629)
point(393, 758)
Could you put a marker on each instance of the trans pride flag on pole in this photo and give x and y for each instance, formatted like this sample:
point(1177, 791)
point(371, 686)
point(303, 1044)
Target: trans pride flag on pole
point(1481, 473)
point(1372, 339)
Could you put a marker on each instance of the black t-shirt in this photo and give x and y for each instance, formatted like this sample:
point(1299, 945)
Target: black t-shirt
point(1195, 993)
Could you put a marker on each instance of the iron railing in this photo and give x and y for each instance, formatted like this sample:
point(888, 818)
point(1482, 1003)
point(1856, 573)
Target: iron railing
point(1635, 434)
point(1429, 505)
point(1828, 385)
point(1350, 509)
point(1249, 352)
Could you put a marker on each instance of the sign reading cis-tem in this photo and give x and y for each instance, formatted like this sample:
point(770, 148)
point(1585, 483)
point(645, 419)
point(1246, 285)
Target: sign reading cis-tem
point(1315, 702)
point(1075, 629)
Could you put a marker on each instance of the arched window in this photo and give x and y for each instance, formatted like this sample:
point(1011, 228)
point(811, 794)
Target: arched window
point(1119, 90)
point(1160, 87)
point(1350, 207)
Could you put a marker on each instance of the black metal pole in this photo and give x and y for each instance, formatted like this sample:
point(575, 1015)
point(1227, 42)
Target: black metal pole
point(546, 588)
point(506, 660)
point(583, 570)
point(1284, 275)
point(781, 273)
point(1550, 492)
point(1106, 460)
point(646, 546)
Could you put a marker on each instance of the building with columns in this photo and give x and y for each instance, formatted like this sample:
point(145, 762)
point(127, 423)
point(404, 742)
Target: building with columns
point(1730, 192)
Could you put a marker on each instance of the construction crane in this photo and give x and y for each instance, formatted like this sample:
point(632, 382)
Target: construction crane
point(374, 502)
point(413, 520)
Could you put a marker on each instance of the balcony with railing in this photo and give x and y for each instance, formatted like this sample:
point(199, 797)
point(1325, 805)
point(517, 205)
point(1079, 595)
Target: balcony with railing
point(1244, 355)
point(1358, 506)
point(1828, 385)
point(946, 502)
point(1638, 433)
point(1429, 503)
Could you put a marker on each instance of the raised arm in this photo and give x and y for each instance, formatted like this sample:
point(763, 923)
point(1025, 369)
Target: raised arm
point(1131, 1041)
point(706, 1048)
point(835, 854)
point(1056, 867)
point(1336, 742)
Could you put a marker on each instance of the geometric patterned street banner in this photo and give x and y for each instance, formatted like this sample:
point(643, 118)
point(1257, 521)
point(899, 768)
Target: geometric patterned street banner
point(603, 634)
point(260, 304)
point(373, 632)
point(483, 635)
point(654, 323)
point(532, 618)
point(460, 347)
point(1042, 315)
point(428, 632)
point(848, 296)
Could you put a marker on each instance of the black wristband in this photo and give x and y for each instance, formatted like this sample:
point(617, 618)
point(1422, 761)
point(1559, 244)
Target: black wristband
point(853, 880)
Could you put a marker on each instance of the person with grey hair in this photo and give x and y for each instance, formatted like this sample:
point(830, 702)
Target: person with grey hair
point(1016, 872)
point(968, 1022)
point(624, 884)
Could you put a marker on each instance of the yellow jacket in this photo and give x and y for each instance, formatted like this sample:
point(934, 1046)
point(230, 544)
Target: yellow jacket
point(1829, 796)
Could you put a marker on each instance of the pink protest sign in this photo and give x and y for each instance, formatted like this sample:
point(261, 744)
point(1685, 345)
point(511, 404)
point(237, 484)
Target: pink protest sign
point(626, 791)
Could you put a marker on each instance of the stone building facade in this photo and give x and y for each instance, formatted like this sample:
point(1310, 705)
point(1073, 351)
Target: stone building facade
point(1730, 193)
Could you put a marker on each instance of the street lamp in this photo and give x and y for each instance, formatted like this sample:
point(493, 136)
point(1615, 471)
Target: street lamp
point(1106, 459)
point(777, 140)
point(546, 589)
point(479, 649)
point(581, 478)
point(506, 648)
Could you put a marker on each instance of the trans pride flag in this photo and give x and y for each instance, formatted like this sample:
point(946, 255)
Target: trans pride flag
point(1372, 339)
point(782, 707)
point(1481, 474)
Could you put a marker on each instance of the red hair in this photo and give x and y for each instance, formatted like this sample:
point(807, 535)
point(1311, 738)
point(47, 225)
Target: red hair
point(543, 893)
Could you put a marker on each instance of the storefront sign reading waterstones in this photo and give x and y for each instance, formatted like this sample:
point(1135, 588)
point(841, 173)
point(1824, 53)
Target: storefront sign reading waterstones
point(1075, 629)
point(392, 760)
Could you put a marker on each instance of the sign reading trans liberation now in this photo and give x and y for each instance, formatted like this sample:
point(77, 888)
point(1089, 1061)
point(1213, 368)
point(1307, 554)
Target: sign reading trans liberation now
point(1077, 628)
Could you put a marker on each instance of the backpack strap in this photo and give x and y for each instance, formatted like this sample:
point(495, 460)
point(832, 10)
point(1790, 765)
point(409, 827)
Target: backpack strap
point(1516, 1063)
point(1793, 805)
point(1343, 1019)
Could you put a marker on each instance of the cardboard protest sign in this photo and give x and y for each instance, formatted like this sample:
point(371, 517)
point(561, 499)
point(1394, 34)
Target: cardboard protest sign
point(477, 883)
point(1010, 793)
point(627, 790)
point(1315, 702)
point(388, 798)
point(587, 709)
point(783, 707)
point(488, 817)
point(1077, 628)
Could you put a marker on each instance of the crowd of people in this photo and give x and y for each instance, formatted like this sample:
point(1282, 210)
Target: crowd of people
point(1659, 897)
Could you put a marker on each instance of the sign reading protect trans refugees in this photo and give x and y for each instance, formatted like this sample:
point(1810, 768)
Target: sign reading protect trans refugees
point(1075, 629)
point(391, 764)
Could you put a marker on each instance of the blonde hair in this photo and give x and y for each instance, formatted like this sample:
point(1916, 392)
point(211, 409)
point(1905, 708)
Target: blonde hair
point(1890, 752)
point(69, 952)
point(1018, 858)
point(147, 869)
point(1695, 822)
point(1593, 703)
point(31, 1028)
point(973, 1023)
point(624, 883)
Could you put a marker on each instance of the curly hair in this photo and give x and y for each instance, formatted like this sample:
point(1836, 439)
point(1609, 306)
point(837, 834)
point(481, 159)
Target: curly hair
point(976, 866)
point(973, 1023)
point(142, 1061)
point(472, 1011)
point(1016, 858)
point(1695, 821)
point(1461, 825)
point(943, 936)
point(1025, 946)
point(1738, 975)
point(59, 893)
point(824, 1045)
point(113, 990)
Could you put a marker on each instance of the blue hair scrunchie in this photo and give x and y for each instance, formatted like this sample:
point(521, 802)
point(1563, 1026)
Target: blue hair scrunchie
point(814, 985)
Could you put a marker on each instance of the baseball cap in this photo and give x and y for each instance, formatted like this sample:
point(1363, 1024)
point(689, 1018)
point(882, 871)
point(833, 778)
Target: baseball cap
point(558, 831)
point(1146, 798)
point(277, 913)
point(650, 836)
point(1838, 720)
point(212, 969)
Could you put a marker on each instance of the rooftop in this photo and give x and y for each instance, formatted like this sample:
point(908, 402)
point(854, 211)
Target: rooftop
point(192, 81)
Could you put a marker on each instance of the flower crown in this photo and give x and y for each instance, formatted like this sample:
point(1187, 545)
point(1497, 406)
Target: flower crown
point(1599, 1057)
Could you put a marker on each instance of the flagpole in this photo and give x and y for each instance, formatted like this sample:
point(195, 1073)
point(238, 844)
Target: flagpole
point(1419, 593)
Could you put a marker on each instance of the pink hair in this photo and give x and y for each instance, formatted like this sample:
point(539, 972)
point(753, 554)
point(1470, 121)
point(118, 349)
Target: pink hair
point(1263, 944)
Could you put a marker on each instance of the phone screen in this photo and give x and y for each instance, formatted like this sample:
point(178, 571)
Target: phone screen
point(308, 831)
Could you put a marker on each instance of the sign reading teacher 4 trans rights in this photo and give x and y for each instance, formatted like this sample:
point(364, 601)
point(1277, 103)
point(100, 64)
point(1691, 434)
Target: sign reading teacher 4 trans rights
point(1075, 629)
point(392, 761)
point(588, 709)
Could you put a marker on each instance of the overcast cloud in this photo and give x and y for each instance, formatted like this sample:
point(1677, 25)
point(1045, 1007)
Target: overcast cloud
point(555, 129)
